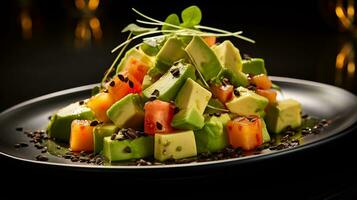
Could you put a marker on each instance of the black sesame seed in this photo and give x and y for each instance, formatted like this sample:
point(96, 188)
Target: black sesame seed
point(74, 159)
point(217, 114)
point(304, 116)
point(19, 129)
point(252, 87)
point(152, 98)
point(98, 161)
point(81, 102)
point(67, 156)
point(159, 125)
point(175, 72)
point(23, 144)
point(49, 117)
point(236, 93)
point(39, 146)
point(113, 136)
point(94, 123)
point(127, 149)
point(225, 81)
point(126, 79)
point(155, 93)
point(41, 158)
point(44, 150)
point(176, 110)
point(112, 83)
point(131, 84)
point(121, 77)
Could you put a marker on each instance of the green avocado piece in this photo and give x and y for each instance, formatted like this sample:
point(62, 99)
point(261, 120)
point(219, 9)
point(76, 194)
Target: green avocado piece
point(237, 79)
point(213, 136)
point(248, 103)
point(173, 50)
point(193, 95)
point(188, 119)
point(175, 145)
point(283, 114)
point(254, 66)
point(168, 85)
point(100, 132)
point(141, 147)
point(203, 57)
point(59, 126)
point(134, 52)
point(266, 136)
point(127, 112)
point(147, 81)
point(229, 56)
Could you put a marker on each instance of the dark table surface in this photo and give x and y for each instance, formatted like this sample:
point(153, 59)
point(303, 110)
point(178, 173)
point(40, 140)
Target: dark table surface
point(300, 40)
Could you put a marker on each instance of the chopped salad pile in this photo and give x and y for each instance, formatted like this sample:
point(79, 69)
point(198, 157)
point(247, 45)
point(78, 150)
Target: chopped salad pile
point(177, 93)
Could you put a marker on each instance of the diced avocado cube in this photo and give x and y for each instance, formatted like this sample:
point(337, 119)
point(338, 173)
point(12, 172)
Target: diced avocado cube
point(99, 133)
point(193, 95)
point(188, 119)
point(203, 58)
point(147, 81)
point(254, 66)
point(141, 147)
point(237, 79)
point(266, 136)
point(229, 56)
point(127, 112)
point(170, 83)
point(134, 52)
point(248, 103)
point(285, 113)
point(172, 51)
point(59, 126)
point(213, 136)
point(175, 145)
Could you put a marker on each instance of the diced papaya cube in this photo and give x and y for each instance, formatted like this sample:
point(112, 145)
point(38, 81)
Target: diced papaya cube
point(123, 84)
point(210, 40)
point(245, 132)
point(223, 93)
point(269, 94)
point(158, 117)
point(81, 136)
point(137, 69)
point(262, 81)
point(99, 104)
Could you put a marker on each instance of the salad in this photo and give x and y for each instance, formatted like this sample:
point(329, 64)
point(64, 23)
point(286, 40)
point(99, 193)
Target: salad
point(182, 91)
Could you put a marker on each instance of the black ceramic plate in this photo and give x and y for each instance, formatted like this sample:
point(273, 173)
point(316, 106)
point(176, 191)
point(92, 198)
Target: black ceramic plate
point(320, 100)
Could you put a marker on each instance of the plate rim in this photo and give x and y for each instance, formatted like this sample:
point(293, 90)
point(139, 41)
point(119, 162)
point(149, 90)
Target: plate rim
point(224, 162)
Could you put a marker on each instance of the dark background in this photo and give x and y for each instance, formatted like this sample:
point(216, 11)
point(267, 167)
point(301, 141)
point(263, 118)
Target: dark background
point(299, 39)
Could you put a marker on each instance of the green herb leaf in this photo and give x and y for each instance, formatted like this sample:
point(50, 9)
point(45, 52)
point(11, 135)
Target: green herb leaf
point(191, 16)
point(137, 30)
point(171, 19)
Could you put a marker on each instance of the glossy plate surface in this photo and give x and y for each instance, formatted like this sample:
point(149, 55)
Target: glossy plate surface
point(320, 100)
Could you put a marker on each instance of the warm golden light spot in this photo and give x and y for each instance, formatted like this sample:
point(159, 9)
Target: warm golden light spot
point(26, 25)
point(94, 23)
point(351, 67)
point(93, 4)
point(340, 60)
point(80, 4)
